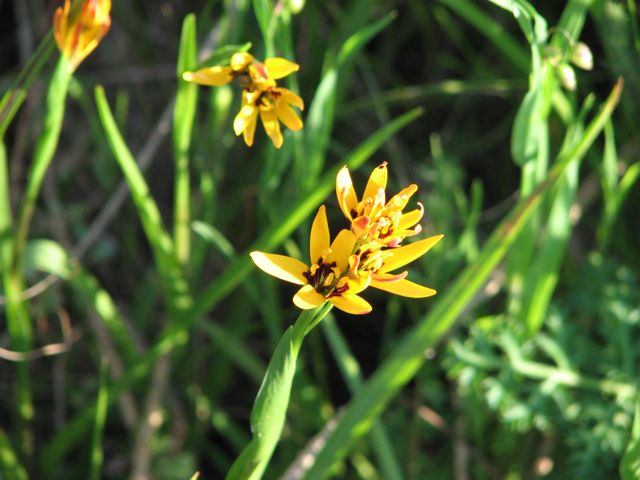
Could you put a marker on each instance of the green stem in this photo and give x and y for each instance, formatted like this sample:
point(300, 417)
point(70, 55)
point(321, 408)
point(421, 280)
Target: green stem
point(270, 407)
point(19, 323)
point(45, 149)
point(541, 371)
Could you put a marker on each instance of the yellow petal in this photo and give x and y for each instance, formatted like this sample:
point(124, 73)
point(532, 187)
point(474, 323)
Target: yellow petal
point(346, 194)
point(60, 19)
point(240, 61)
point(250, 130)
point(307, 298)
point(211, 76)
point(280, 67)
point(289, 97)
point(272, 127)
point(341, 249)
point(377, 181)
point(287, 116)
point(319, 241)
point(358, 284)
point(260, 77)
point(399, 200)
point(282, 267)
point(409, 219)
point(389, 277)
point(247, 115)
point(404, 288)
point(402, 255)
point(353, 304)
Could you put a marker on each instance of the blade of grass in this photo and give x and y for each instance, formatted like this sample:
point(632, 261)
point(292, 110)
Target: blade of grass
point(321, 113)
point(17, 92)
point(541, 277)
point(162, 246)
point(102, 403)
point(420, 93)
point(18, 321)
point(407, 358)
point(483, 22)
point(630, 464)
point(183, 118)
point(9, 463)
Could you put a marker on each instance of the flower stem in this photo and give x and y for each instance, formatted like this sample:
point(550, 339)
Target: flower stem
point(45, 149)
point(270, 407)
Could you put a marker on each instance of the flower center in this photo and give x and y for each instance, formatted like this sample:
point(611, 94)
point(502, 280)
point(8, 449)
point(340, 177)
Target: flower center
point(324, 277)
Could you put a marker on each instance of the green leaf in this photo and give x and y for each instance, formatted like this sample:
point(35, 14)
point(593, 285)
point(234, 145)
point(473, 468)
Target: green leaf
point(630, 464)
point(162, 246)
point(270, 407)
point(527, 128)
point(102, 402)
point(184, 115)
point(9, 463)
point(213, 236)
point(320, 119)
point(222, 55)
point(17, 92)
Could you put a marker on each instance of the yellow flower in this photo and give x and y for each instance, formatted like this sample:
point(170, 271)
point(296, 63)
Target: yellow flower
point(260, 94)
point(341, 270)
point(274, 106)
point(78, 31)
point(327, 279)
point(252, 74)
point(373, 217)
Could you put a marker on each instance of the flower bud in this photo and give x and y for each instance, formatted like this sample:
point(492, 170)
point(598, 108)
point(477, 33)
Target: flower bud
point(79, 30)
point(581, 56)
point(567, 76)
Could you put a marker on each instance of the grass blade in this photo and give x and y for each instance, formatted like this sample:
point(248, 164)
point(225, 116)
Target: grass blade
point(102, 403)
point(9, 463)
point(184, 114)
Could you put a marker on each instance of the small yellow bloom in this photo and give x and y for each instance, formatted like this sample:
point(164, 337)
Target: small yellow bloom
point(273, 106)
point(78, 31)
point(373, 216)
point(327, 279)
point(260, 94)
point(252, 74)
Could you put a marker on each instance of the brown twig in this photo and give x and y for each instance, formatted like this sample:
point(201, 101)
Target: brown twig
point(68, 335)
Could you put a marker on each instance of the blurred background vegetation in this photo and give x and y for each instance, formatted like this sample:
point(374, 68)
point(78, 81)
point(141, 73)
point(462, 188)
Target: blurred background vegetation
point(536, 379)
